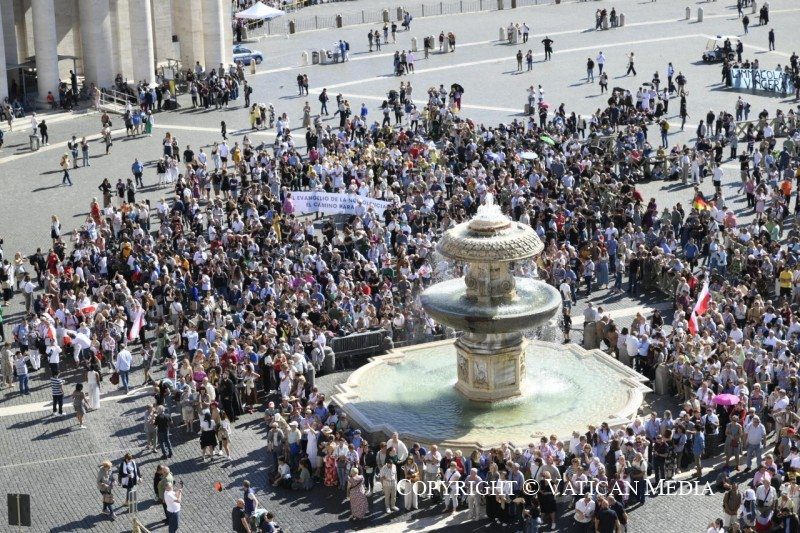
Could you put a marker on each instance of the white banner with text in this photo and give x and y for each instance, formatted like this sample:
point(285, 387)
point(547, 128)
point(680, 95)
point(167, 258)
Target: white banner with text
point(331, 203)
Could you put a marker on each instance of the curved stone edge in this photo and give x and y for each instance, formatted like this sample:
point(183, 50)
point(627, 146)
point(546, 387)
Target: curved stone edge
point(452, 315)
point(349, 390)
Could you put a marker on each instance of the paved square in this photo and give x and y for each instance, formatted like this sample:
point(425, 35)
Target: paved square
point(56, 463)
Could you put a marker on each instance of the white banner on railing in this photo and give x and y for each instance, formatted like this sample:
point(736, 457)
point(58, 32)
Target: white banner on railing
point(330, 203)
point(774, 81)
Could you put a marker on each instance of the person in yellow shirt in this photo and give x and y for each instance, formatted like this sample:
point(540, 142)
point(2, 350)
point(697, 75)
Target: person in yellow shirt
point(785, 281)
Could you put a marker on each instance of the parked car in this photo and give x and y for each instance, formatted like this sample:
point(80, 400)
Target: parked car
point(246, 55)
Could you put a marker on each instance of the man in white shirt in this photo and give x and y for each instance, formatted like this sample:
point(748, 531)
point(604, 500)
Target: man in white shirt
point(388, 478)
point(172, 499)
point(584, 512)
point(766, 493)
point(124, 360)
point(431, 468)
point(53, 357)
point(756, 435)
point(27, 291)
point(192, 338)
point(399, 447)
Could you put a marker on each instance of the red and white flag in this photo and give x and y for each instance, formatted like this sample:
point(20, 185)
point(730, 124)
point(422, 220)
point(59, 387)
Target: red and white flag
point(703, 299)
point(89, 309)
point(138, 324)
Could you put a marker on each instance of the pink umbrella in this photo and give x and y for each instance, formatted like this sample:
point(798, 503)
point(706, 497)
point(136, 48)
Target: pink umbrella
point(726, 399)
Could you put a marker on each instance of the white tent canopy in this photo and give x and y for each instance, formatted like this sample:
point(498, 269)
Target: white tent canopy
point(260, 11)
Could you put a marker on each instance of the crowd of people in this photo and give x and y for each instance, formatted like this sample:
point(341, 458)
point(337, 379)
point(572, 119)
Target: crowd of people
point(227, 298)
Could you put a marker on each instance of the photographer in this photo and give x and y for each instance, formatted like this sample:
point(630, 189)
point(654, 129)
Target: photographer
point(172, 499)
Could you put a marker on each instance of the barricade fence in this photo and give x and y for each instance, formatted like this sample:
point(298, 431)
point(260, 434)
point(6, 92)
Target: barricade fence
point(301, 22)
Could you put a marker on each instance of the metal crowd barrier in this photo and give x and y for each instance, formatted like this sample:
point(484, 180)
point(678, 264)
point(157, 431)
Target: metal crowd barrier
point(357, 345)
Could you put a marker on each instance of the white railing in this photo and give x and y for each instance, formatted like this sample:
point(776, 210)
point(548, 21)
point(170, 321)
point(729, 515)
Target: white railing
point(113, 100)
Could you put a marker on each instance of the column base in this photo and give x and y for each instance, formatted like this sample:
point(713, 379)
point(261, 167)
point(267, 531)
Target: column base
point(491, 368)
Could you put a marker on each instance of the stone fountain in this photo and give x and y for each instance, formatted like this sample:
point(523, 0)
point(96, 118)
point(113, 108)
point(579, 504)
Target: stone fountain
point(489, 304)
point(490, 385)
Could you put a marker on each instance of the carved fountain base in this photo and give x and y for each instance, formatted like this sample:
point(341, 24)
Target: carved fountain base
point(491, 367)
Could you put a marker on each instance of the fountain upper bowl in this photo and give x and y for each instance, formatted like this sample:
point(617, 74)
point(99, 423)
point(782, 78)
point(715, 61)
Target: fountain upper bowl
point(491, 239)
point(535, 303)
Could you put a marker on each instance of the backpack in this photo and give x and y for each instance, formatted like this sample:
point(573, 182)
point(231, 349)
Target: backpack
point(347, 46)
point(322, 97)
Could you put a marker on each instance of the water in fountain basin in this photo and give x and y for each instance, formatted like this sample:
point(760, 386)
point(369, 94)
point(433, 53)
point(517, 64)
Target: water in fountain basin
point(563, 391)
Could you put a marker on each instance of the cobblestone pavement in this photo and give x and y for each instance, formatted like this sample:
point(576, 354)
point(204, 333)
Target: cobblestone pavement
point(52, 460)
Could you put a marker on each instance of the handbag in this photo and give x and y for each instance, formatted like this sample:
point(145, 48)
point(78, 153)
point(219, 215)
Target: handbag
point(114, 379)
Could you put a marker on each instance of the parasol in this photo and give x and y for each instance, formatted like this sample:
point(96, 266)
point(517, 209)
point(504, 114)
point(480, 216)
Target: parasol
point(530, 156)
point(726, 399)
point(457, 87)
point(547, 140)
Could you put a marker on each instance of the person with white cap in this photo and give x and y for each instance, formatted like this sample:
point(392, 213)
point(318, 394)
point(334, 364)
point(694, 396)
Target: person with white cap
point(450, 478)
point(473, 484)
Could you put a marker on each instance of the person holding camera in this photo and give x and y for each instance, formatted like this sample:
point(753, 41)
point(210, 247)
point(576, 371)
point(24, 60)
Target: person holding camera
point(172, 499)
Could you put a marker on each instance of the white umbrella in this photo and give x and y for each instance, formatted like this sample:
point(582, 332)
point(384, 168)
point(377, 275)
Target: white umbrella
point(531, 156)
point(260, 11)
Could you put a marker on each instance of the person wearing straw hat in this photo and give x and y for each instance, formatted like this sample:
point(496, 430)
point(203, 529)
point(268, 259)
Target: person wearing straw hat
point(105, 483)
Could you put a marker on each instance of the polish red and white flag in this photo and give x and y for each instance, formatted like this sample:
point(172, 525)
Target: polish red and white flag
point(138, 324)
point(703, 300)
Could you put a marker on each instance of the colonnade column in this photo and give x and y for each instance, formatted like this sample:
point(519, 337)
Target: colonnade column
point(95, 18)
point(142, 45)
point(45, 46)
point(3, 73)
point(214, 33)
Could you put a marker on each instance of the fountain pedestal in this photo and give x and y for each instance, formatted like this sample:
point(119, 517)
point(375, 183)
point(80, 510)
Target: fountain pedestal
point(491, 367)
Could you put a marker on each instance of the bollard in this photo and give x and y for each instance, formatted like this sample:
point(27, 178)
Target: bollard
point(292, 26)
point(338, 21)
point(413, 44)
point(503, 36)
point(606, 24)
point(699, 14)
point(303, 59)
point(500, 6)
point(323, 57)
point(621, 20)
point(754, 8)
point(513, 4)
point(590, 340)
point(252, 67)
point(386, 15)
point(688, 12)
point(662, 380)
point(400, 13)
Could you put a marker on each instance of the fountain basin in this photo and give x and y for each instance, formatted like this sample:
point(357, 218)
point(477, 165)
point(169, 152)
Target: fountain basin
point(411, 391)
point(447, 302)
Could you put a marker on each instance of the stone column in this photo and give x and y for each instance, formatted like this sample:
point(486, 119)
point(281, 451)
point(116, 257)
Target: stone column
point(213, 33)
point(21, 28)
point(163, 29)
point(142, 45)
point(187, 20)
point(122, 59)
point(9, 32)
point(46, 47)
point(95, 18)
point(3, 73)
